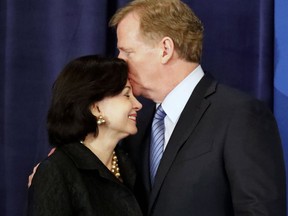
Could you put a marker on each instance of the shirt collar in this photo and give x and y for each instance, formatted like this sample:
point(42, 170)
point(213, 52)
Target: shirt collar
point(176, 100)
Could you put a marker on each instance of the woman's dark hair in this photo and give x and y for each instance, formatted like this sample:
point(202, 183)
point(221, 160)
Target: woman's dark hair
point(82, 82)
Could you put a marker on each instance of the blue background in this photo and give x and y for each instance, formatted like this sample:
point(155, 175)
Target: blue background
point(245, 46)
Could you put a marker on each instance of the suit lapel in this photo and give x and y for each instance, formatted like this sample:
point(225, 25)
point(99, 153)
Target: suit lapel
point(190, 116)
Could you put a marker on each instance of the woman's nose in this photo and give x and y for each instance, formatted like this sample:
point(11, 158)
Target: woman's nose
point(137, 105)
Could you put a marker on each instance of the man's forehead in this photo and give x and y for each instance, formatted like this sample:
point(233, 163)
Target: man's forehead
point(131, 20)
point(127, 34)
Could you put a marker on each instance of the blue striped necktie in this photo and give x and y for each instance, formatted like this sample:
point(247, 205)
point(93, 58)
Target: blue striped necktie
point(157, 141)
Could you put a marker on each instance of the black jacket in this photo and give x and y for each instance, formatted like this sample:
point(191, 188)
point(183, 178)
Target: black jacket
point(73, 181)
point(224, 158)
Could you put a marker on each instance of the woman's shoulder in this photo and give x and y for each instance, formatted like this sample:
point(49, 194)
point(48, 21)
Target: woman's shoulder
point(56, 163)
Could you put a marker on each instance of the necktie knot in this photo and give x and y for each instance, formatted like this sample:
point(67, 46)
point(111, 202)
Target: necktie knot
point(160, 113)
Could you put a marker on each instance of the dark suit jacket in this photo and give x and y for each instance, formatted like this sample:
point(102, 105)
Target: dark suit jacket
point(224, 158)
point(73, 181)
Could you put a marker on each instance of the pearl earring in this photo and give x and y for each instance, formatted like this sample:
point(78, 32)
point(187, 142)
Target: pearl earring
point(100, 120)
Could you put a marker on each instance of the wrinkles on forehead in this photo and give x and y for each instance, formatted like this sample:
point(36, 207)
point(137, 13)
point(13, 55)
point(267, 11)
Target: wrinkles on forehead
point(127, 31)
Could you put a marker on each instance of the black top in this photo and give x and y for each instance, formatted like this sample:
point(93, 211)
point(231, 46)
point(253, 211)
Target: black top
point(73, 181)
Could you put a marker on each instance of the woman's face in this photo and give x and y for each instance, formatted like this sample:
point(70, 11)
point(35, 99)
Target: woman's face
point(120, 113)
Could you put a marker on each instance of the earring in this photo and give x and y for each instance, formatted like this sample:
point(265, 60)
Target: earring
point(100, 120)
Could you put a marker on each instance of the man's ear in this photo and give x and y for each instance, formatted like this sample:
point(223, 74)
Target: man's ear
point(167, 47)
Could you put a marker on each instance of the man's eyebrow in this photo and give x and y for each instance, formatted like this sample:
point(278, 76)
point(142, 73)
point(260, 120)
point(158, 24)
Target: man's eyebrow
point(124, 49)
point(120, 47)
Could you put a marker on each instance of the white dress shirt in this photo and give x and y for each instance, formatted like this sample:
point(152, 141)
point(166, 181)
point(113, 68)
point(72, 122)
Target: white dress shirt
point(176, 100)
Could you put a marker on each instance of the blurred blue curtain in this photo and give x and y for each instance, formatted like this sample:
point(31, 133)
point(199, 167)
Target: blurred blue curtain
point(281, 72)
point(37, 38)
point(238, 43)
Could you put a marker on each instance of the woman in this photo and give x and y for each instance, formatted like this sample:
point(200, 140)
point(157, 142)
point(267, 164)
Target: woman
point(92, 109)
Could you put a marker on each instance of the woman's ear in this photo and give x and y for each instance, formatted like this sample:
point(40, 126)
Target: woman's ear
point(167, 47)
point(95, 110)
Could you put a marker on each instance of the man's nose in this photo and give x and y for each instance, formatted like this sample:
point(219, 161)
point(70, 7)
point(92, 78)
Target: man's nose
point(121, 56)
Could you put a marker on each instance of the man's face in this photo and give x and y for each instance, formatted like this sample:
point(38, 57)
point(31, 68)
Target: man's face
point(143, 59)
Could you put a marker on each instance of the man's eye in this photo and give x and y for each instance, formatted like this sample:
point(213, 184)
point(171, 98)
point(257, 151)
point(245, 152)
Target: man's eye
point(128, 52)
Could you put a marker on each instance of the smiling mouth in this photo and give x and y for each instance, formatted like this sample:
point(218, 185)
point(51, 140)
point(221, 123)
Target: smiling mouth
point(132, 117)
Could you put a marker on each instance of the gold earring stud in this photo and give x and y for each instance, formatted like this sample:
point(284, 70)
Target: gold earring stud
point(100, 120)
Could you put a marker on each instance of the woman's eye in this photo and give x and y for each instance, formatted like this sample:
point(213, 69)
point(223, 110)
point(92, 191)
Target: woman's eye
point(127, 95)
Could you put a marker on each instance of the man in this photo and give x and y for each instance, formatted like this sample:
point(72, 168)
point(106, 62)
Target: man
point(222, 153)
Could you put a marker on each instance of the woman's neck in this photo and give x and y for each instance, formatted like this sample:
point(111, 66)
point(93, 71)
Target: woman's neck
point(102, 148)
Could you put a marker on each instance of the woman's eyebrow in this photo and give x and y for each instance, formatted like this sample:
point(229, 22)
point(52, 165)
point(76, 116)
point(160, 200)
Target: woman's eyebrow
point(129, 87)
